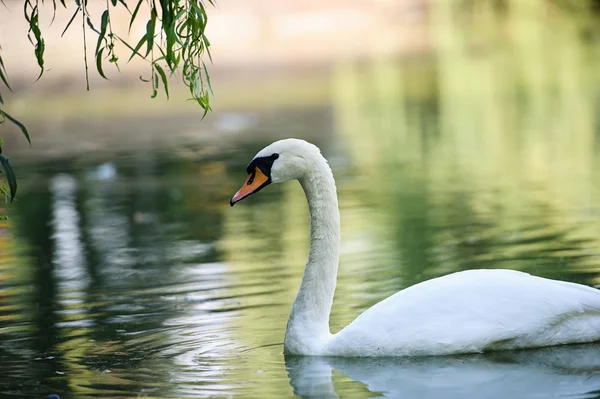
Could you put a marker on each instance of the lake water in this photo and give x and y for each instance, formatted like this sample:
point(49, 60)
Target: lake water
point(133, 277)
point(127, 274)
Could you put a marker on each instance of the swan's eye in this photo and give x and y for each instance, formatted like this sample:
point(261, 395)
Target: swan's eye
point(251, 179)
point(275, 156)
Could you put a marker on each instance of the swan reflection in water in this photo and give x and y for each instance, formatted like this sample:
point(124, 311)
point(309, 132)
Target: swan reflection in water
point(567, 371)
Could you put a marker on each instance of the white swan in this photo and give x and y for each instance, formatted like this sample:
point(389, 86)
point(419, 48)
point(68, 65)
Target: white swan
point(465, 312)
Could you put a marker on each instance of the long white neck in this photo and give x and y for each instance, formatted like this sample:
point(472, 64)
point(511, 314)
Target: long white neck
point(308, 325)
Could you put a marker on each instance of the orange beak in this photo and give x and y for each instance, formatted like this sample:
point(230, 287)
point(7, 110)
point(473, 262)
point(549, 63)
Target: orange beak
point(255, 181)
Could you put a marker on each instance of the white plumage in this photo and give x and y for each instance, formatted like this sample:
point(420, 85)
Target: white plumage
point(473, 311)
point(465, 312)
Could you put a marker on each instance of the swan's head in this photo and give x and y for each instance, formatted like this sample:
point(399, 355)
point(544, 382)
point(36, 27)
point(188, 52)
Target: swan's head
point(284, 160)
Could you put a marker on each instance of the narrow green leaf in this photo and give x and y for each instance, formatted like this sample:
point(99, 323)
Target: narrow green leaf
point(137, 48)
point(163, 77)
point(26, 6)
point(135, 11)
point(3, 74)
point(103, 27)
point(150, 31)
point(154, 86)
point(122, 2)
point(16, 122)
point(70, 22)
point(201, 14)
point(34, 28)
point(99, 64)
point(206, 109)
point(91, 25)
point(53, 11)
point(167, 16)
point(11, 178)
point(208, 79)
point(206, 47)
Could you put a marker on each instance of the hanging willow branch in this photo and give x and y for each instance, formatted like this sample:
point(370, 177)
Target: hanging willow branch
point(174, 40)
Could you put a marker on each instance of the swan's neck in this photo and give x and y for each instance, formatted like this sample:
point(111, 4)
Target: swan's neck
point(308, 325)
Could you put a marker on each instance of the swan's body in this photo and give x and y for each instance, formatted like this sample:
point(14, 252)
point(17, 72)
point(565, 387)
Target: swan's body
point(464, 312)
point(473, 311)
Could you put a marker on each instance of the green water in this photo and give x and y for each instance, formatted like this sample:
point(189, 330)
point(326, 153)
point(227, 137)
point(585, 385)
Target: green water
point(149, 284)
point(128, 275)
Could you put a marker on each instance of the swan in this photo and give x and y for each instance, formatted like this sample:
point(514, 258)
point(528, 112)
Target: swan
point(465, 312)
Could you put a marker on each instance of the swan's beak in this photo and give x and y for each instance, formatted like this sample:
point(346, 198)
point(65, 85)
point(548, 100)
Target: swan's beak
point(254, 183)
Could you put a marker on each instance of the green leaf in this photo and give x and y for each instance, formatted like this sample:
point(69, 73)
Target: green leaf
point(34, 27)
point(16, 122)
point(135, 11)
point(103, 27)
point(91, 25)
point(99, 64)
point(150, 31)
point(206, 48)
point(137, 47)
point(3, 74)
point(208, 79)
point(206, 107)
point(154, 86)
point(70, 22)
point(11, 178)
point(122, 2)
point(53, 11)
point(167, 23)
point(163, 77)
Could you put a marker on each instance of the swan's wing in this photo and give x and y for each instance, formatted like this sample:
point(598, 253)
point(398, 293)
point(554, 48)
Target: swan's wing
point(474, 311)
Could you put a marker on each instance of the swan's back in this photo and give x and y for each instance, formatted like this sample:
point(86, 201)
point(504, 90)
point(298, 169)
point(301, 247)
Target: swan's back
point(474, 311)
